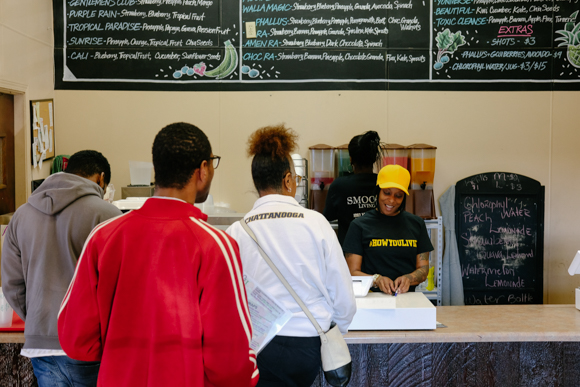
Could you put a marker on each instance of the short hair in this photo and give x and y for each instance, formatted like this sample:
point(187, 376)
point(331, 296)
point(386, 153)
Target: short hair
point(271, 147)
point(178, 150)
point(87, 163)
point(364, 149)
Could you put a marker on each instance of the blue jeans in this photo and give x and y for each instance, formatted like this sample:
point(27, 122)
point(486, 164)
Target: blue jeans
point(62, 371)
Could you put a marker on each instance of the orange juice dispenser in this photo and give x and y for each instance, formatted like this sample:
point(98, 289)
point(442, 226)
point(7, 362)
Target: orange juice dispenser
point(422, 166)
point(395, 154)
point(343, 165)
point(422, 175)
point(321, 175)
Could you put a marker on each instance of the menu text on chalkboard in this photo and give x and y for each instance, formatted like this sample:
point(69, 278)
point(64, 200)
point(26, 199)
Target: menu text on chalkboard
point(500, 238)
point(318, 44)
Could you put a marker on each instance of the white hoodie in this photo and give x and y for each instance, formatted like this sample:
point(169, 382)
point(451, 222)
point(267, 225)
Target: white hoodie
point(305, 249)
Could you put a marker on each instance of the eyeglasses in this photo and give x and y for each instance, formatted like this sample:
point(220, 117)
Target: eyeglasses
point(215, 161)
point(297, 177)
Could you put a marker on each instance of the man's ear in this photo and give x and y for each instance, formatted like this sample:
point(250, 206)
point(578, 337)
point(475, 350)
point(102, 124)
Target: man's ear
point(203, 172)
point(101, 180)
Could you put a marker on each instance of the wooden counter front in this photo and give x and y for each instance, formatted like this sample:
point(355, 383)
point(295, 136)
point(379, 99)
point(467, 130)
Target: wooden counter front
point(502, 345)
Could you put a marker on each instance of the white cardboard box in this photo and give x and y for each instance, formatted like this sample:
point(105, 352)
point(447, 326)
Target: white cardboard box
point(578, 298)
point(407, 311)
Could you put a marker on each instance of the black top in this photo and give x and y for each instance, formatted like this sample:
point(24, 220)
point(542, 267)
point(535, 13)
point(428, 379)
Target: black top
point(349, 197)
point(389, 245)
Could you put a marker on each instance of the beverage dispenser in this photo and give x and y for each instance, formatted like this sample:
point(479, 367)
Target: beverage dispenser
point(395, 154)
point(343, 165)
point(422, 171)
point(321, 174)
point(422, 166)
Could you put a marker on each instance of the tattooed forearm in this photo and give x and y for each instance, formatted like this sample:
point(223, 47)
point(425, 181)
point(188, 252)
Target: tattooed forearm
point(419, 275)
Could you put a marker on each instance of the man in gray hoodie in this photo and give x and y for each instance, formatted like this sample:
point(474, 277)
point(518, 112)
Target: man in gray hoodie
point(41, 246)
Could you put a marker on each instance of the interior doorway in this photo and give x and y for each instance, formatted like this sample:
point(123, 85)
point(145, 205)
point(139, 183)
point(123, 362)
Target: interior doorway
point(7, 170)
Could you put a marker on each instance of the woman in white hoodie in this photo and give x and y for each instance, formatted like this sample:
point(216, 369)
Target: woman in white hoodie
point(303, 246)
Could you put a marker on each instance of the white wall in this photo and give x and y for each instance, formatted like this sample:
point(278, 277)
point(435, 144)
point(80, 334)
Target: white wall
point(532, 133)
point(26, 70)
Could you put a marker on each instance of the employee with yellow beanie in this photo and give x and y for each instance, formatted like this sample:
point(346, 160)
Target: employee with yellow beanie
point(388, 243)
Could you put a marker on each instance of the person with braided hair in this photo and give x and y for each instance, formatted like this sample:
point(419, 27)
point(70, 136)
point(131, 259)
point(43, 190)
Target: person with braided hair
point(303, 246)
point(349, 197)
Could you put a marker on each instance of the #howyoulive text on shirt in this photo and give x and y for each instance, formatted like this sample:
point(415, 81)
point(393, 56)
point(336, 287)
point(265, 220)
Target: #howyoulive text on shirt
point(389, 245)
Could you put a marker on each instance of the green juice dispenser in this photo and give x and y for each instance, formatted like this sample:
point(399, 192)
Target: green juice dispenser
point(343, 165)
point(322, 174)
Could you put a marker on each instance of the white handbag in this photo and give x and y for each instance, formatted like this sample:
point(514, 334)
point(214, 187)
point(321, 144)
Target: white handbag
point(336, 361)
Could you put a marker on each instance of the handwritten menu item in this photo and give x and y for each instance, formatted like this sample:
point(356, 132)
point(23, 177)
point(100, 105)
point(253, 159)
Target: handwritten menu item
point(276, 44)
point(500, 237)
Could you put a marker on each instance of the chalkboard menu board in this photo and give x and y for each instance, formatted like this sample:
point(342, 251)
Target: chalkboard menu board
point(317, 44)
point(500, 238)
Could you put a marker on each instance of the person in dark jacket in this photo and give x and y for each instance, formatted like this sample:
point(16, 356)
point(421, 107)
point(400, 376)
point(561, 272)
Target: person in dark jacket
point(349, 197)
point(41, 246)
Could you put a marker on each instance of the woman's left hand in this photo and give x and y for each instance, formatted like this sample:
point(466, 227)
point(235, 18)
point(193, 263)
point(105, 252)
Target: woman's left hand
point(402, 283)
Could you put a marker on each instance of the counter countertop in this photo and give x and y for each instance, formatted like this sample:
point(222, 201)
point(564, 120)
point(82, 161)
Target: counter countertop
point(487, 323)
point(481, 323)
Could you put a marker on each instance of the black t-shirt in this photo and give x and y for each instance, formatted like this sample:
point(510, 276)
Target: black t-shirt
point(349, 197)
point(389, 245)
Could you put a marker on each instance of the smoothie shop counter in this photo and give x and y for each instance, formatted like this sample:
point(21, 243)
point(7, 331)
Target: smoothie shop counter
point(503, 345)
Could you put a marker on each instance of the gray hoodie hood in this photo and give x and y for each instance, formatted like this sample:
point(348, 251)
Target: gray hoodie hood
point(61, 189)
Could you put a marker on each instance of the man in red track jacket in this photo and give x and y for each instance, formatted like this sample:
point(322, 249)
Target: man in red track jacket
point(158, 294)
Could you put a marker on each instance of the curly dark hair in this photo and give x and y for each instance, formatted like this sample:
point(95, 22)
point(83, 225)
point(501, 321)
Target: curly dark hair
point(271, 147)
point(365, 149)
point(87, 163)
point(178, 150)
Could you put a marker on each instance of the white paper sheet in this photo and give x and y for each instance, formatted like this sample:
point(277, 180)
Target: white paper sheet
point(34, 149)
point(42, 157)
point(45, 137)
point(50, 140)
point(267, 314)
point(50, 114)
point(40, 134)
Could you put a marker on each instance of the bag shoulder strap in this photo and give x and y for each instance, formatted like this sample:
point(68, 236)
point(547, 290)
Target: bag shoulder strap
point(283, 280)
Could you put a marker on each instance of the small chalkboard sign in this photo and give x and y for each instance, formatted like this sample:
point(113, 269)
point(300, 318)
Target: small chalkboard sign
point(500, 238)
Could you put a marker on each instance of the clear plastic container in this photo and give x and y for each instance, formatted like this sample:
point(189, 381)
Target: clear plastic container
point(321, 174)
point(343, 165)
point(422, 166)
point(395, 154)
point(6, 312)
point(301, 168)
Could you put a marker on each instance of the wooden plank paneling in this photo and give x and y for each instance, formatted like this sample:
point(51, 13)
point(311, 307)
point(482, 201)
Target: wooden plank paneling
point(481, 364)
point(15, 370)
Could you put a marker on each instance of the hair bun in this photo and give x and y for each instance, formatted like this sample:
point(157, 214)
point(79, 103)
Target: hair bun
point(276, 141)
point(370, 139)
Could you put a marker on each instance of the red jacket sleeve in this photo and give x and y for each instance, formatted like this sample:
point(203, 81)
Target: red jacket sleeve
point(79, 328)
point(227, 328)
